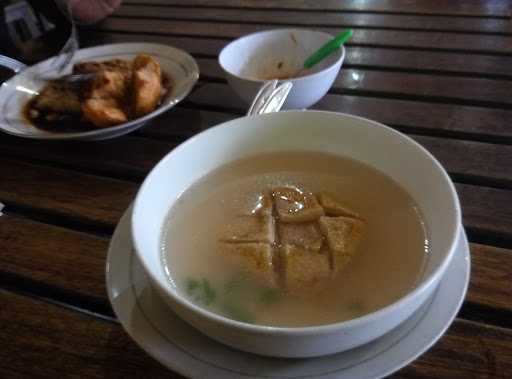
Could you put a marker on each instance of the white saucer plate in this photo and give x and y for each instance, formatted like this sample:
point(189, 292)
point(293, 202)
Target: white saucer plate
point(178, 346)
point(179, 66)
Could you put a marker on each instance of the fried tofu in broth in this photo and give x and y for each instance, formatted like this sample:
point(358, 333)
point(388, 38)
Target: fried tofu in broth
point(305, 235)
point(296, 205)
point(334, 208)
point(254, 258)
point(303, 270)
point(250, 229)
point(342, 235)
point(355, 243)
point(307, 247)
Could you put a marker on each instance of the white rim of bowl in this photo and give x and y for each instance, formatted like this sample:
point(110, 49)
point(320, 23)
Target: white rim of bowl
point(340, 59)
point(315, 329)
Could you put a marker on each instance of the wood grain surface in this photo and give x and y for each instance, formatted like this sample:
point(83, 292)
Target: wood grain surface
point(476, 8)
point(466, 122)
point(65, 193)
point(458, 42)
point(338, 19)
point(135, 156)
point(54, 257)
point(85, 346)
point(439, 72)
point(416, 86)
point(93, 199)
point(78, 260)
point(387, 58)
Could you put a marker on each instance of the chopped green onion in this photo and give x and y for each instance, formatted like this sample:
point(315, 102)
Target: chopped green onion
point(209, 293)
point(237, 313)
point(191, 285)
point(268, 296)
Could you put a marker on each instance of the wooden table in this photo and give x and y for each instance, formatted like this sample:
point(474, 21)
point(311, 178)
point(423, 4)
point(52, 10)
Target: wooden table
point(440, 72)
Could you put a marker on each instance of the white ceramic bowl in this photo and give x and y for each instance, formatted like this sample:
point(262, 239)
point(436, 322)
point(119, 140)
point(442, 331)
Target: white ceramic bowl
point(250, 60)
point(14, 93)
point(375, 144)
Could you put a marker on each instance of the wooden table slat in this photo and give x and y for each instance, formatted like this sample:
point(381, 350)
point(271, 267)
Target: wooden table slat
point(466, 159)
point(336, 19)
point(54, 256)
point(356, 56)
point(418, 40)
point(89, 199)
point(462, 121)
point(491, 270)
point(74, 262)
point(95, 200)
point(43, 340)
point(127, 157)
point(401, 85)
point(134, 157)
point(476, 199)
point(489, 8)
point(82, 346)
point(438, 72)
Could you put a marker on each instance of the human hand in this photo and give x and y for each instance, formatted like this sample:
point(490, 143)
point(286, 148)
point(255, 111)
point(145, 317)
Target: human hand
point(91, 11)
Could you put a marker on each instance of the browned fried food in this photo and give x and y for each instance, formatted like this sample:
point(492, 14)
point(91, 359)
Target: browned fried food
point(304, 235)
point(254, 258)
point(342, 235)
point(110, 84)
point(58, 98)
point(303, 270)
point(332, 207)
point(103, 112)
point(250, 229)
point(121, 90)
point(147, 84)
point(103, 107)
point(296, 205)
point(305, 247)
point(263, 205)
point(122, 66)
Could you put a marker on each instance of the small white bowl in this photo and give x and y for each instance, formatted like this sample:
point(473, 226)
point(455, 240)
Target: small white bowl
point(367, 141)
point(250, 60)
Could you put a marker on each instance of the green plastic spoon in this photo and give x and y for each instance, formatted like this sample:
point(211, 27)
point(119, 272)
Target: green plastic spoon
point(328, 48)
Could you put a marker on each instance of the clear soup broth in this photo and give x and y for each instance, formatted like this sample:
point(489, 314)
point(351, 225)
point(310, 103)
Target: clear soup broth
point(387, 263)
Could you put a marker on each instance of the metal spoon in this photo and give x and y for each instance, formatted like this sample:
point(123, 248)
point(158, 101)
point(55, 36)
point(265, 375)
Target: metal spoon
point(270, 98)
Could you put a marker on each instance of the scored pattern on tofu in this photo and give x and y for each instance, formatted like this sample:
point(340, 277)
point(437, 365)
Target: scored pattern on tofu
point(295, 205)
point(340, 234)
point(255, 258)
point(305, 235)
point(250, 229)
point(334, 208)
point(293, 239)
point(304, 269)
